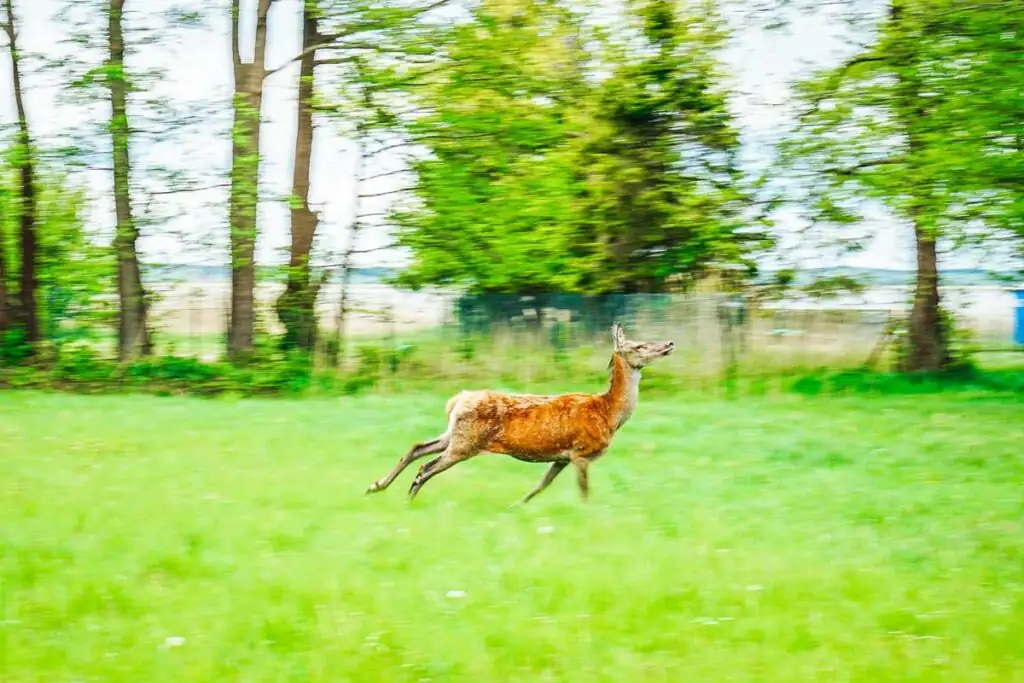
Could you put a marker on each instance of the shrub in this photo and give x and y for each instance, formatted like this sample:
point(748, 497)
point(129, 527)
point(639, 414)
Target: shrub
point(82, 364)
point(14, 350)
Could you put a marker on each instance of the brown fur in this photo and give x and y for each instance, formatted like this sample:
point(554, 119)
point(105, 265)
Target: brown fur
point(564, 429)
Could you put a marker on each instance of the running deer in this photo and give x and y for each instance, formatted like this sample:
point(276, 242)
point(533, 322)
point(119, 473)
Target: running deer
point(570, 428)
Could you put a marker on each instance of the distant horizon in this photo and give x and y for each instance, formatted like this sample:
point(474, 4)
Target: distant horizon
point(878, 276)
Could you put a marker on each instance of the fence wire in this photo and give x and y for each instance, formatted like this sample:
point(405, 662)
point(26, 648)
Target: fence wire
point(443, 332)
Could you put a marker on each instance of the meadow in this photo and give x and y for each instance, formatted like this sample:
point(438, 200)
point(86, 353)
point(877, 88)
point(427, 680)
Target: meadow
point(784, 538)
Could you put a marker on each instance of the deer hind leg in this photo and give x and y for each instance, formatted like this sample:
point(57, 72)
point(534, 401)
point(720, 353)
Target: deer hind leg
point(460, 448)
point(420, 450)
point(553, 471)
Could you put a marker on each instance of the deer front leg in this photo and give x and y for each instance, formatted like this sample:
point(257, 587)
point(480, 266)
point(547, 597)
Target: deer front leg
point(581, 461)
point(553, 471)
point(581, 465)
point(418, 451)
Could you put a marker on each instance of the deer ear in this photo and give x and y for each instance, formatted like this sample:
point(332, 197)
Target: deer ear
point(618, 335)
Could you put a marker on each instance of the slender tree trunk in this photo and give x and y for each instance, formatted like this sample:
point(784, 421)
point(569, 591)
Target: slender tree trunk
point(245, 167)
point(349, 253)
point(5, 319)
point(296, 307)
point(133, 338)
point(28, 308)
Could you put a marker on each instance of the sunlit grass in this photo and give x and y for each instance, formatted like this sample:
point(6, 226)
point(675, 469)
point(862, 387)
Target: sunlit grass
point(830, 539)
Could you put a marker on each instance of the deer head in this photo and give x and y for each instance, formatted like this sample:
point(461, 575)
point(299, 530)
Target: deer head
point(639, 354)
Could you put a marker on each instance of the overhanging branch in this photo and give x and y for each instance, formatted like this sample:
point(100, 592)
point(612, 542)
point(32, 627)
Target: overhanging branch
point(384, 175)
point(332, 39)
point(180, 190)
point(872, 163)
point(384, 247)
point(385, 194)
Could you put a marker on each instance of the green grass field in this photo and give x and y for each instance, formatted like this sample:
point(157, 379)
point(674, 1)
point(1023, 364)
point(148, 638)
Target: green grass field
point(863, 538)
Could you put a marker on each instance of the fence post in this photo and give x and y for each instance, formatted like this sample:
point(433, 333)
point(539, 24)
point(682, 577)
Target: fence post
point(732, 313)
point(558, 341)
point(392, 339)
point(1018, 330)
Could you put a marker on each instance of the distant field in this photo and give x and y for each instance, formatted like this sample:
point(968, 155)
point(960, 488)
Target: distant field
point(835, 539)
point(202, 307)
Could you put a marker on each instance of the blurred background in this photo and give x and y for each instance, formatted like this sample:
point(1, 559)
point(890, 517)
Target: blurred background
point(478, 189)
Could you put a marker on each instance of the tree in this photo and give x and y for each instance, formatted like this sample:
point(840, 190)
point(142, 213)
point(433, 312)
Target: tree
point(296, 307)
point(364, 117)
point(495, 206)
point(542, 176)
point(245, 165)
point(133, 337)
point(74, 273)
point(340, 38)
point(77, 274)
point(28, 308)
point(98, 71)
point(663, 194)
point(918, 120)
point(337, 354)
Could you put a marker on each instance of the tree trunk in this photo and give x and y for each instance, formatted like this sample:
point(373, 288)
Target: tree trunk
point(296, 307)
point(245, 167)
point(348, 256)
point(133, 339)
point(28, 308)
point(5, 319)
point(927, 337)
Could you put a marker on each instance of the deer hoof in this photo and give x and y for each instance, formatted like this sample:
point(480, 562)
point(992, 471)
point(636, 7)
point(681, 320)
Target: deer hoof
point(373, 488)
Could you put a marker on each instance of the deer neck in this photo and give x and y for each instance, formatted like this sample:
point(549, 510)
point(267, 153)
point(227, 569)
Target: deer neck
point(623, 392)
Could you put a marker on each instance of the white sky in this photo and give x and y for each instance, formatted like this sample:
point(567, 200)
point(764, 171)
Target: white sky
point(198, 74)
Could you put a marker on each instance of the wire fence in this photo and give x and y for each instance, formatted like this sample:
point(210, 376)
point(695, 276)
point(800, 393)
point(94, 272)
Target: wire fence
point(530, 338)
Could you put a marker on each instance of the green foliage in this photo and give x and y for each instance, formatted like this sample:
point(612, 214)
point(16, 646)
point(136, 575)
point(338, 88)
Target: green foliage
point(499, 167)
point(82, 365)
point(662, 193)
point(14, 349)
point(926, 118)
point(374, 362)
point(978, 59)
point(293, 375)
point(542, 177)
point(75, 273)
point(961, 378)
point(187, 374)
